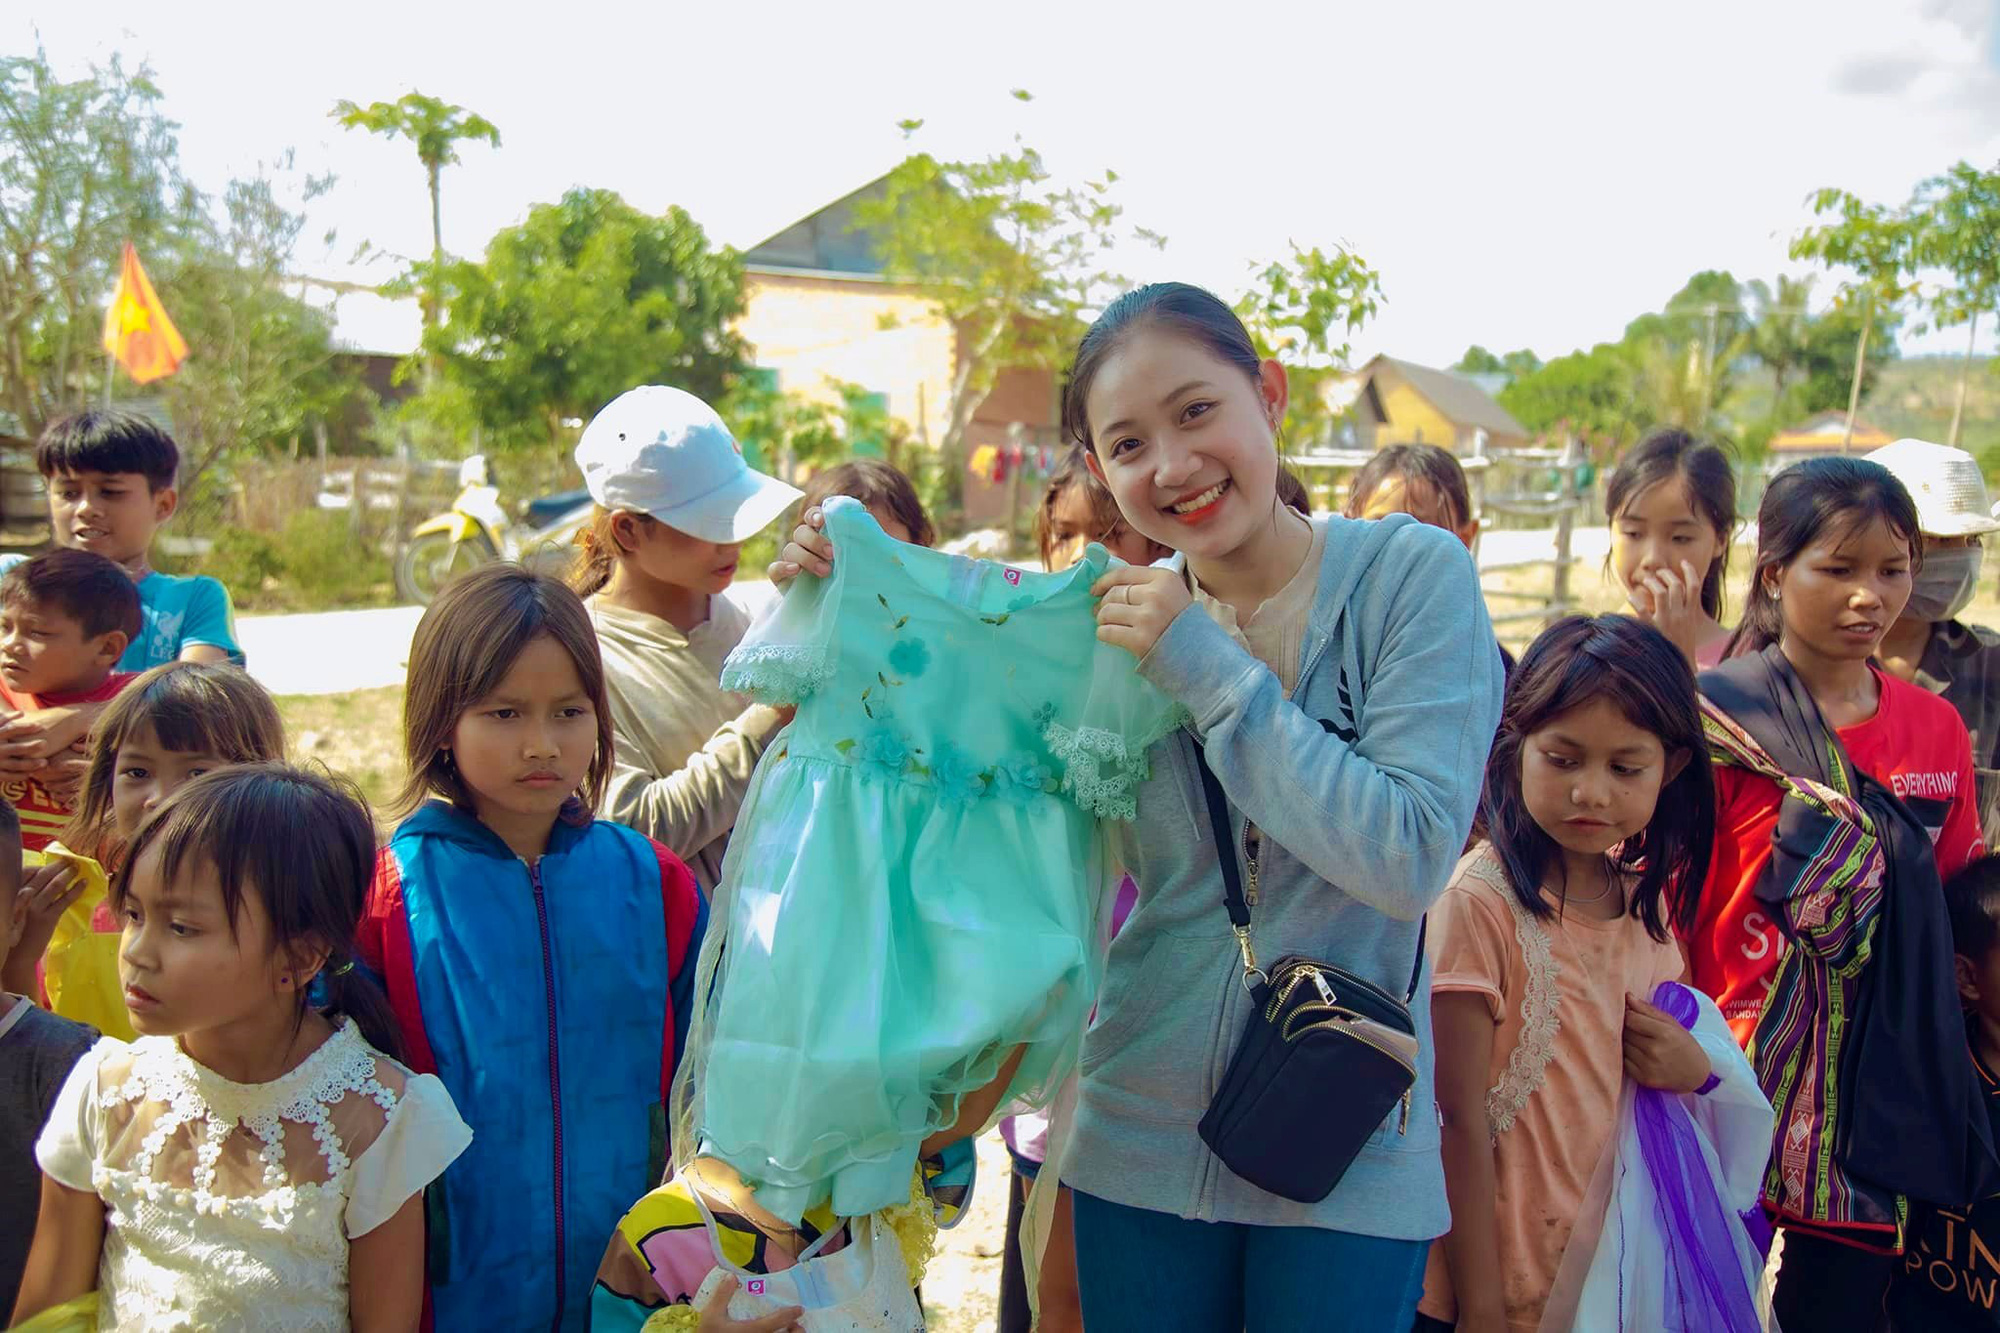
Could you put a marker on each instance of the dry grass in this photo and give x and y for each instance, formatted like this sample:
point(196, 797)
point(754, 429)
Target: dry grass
point(359, 735)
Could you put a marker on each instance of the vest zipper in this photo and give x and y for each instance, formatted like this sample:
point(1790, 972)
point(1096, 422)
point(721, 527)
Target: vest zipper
point(555, 1079)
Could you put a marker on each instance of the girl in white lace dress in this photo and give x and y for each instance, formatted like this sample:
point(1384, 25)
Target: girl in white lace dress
point(252, 1160)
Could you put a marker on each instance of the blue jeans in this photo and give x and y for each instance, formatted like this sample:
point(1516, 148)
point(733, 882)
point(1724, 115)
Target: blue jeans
point(1142, 1270)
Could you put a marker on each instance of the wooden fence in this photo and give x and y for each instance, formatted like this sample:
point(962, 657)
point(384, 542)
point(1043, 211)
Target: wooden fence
point(1511, 488)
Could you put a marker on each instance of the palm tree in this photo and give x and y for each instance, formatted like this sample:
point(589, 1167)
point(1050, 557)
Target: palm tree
point(437, 128)
point(1778, 338)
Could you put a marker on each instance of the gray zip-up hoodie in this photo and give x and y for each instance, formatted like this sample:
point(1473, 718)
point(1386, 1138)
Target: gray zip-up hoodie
point(1363, 785)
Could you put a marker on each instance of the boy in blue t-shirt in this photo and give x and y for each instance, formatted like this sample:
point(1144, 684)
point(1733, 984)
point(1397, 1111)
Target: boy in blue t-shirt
point(110, 477)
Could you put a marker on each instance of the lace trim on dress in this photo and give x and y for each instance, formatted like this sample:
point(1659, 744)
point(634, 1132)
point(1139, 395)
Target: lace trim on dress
point(162, 1072)
point(1540, 1023)
point(1102, 770)
point(777, 673)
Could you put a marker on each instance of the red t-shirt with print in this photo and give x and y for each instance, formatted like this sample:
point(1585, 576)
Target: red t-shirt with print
point(42, 815)
point(1917, 746)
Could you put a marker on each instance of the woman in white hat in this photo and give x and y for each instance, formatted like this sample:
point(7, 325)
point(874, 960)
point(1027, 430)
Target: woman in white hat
point(1929, 645)
point(675, 503)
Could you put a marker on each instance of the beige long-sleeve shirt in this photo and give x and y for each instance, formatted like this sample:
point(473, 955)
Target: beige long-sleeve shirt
point(686, 747)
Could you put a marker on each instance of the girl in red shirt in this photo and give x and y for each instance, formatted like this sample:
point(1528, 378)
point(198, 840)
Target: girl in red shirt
point(1842, 793)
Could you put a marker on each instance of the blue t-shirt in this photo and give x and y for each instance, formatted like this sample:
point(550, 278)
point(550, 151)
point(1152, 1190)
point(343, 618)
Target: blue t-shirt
point(175, 610)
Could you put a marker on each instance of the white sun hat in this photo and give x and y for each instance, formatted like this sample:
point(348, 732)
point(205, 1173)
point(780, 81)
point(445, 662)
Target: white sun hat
point(1946, 484)
point(664, 452)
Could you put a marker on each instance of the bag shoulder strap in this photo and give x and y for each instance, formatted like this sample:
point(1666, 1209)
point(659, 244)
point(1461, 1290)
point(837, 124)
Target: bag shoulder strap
point(1233, 900)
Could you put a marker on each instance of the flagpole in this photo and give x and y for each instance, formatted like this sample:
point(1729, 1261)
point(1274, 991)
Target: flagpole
point(110, 373)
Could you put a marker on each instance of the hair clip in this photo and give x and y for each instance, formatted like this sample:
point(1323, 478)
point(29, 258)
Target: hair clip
point(344, 968)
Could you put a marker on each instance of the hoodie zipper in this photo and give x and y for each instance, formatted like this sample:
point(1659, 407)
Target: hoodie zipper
point(555, 1076)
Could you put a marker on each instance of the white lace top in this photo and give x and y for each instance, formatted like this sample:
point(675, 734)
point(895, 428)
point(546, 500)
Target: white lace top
point(231, 1205)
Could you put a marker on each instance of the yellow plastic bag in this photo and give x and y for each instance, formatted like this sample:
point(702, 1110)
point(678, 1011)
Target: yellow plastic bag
point(74, 1316)
point(80, 970)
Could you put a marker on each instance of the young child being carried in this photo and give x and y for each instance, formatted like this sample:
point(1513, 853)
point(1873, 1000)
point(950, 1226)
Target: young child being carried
point(66, 617)
point(110, 477)
point(254, 1159)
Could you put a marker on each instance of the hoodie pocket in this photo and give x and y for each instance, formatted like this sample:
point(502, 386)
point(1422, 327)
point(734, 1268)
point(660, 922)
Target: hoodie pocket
point(1150, 1055)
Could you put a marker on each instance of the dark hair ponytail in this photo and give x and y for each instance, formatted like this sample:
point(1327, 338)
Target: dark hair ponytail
point(1703, 471)
point(1634, 667)
point(303, 842)
point(348, 992)
point(1799, 506)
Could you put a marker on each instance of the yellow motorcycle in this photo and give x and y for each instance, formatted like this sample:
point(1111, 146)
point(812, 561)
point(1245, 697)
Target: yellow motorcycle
point(477, 530)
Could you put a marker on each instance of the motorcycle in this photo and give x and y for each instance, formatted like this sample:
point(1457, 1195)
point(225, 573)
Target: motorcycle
point(476, 530)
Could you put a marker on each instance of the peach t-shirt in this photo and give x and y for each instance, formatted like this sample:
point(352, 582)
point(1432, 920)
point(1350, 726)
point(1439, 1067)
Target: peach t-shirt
point(1556, 990)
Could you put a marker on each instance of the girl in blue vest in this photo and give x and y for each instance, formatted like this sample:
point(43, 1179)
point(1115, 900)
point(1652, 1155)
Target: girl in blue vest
point(539, 961)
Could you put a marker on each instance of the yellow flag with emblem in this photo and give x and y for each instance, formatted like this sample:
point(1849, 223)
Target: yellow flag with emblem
point(136, 328)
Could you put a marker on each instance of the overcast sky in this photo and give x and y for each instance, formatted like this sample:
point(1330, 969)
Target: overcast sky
point(1532, 173)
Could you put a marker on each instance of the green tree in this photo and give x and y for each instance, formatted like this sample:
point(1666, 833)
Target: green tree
point(436, 128)
point(1875, 243)
point(577, 304)
point(1514, 365)
point(1958, 230)
point(1830, 362)
point(262, 366)
point(1591, 394)
point(1303, 311)
point(85, 165)
point(1478, 361)
point(1007, 257)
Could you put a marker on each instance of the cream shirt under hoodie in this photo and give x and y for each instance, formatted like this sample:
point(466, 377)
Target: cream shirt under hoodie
point(686, 747)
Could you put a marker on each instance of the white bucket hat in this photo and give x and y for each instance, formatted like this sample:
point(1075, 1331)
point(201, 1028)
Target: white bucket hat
point(665, 453)
point(1946, 484)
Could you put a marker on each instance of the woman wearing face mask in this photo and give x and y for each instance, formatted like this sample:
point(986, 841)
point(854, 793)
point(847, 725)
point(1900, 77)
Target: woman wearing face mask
point(1929, 645)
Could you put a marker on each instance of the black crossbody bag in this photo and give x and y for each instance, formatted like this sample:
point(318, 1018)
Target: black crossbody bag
point(1325, 1058)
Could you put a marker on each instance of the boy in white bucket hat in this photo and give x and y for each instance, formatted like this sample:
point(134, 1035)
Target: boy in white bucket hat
point(676, 501)
point(1929, 645)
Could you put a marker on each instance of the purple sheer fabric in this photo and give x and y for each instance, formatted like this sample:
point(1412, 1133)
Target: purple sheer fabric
point(1703, 1272)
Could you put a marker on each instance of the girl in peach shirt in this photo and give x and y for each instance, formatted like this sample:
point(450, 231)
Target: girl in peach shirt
point(1597, 799)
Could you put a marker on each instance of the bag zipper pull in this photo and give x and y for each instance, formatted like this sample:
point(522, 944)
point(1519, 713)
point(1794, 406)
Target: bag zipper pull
point(1403, 1120)
point(1325, 991)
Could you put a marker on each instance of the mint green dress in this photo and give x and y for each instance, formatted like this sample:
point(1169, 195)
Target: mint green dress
point(912, 889)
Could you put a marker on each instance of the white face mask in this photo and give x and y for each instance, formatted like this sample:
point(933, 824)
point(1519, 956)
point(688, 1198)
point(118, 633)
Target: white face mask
point(1945, 583)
